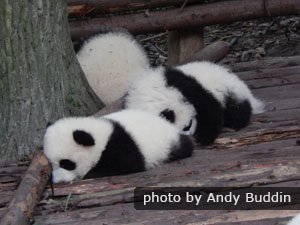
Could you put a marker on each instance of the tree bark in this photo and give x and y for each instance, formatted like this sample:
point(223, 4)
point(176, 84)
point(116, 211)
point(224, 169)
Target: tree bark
point(190, 16)
point(40, 78)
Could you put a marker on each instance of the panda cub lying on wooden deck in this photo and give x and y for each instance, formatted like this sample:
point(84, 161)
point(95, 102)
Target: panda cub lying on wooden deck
point(200, 98)
point(119, 143)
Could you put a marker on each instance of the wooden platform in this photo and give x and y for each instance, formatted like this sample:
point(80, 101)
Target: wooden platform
point(267, 153)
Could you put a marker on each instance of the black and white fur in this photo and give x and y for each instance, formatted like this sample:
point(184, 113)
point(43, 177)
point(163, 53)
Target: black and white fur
point(110, 60)
point(120, 143)
point(199, 98)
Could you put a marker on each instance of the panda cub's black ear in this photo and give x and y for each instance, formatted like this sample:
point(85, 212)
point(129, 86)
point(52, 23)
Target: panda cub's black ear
point(168, 115)
point(48, 124)
point(83, 138)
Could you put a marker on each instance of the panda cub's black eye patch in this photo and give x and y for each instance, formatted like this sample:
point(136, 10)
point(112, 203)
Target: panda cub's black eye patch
point(188, 126)
point(67, 164)
point(168, 115)
point(83, 138)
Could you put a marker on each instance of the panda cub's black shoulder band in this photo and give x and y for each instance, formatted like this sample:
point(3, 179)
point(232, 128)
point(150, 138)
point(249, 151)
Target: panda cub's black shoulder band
point(121, 155)
point(209, 116)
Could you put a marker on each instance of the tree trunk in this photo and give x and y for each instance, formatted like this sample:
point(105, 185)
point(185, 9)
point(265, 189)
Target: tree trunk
point(40, 78)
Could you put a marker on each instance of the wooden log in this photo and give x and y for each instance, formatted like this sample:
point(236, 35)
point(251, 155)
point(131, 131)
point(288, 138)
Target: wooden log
point(269, 73)
point(183, 44)
point(80, 10)
point(278, 92)
point(114, 107)
point(76, 7)
point(191, 16)
point(272, 82)
point(119, 213)
point(267, 63)
point(213, 53)
point(28, 194)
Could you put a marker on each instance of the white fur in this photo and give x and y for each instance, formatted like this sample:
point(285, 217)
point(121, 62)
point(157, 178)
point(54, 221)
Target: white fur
point(153, 135)
point(110, 62)
point(148, 93)
point(220, 81)
point(295, 220)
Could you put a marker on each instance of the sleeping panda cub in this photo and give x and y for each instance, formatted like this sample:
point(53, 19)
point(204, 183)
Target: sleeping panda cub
point(119, 143)
point(110, 61)
point(199, 98)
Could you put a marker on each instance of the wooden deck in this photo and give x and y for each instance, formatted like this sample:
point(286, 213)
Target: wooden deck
point(267, 153)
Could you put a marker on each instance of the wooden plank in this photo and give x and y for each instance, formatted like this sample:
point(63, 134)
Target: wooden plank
point(266, 63)
point(273, 82)
point(191, 16)
point(126, 214)
point(276, 116)
point(5, 197)
point(278, 93)
point(13, 170)
point(248, 164)
point(269, 73)
point(282, 104)
point(257, 136)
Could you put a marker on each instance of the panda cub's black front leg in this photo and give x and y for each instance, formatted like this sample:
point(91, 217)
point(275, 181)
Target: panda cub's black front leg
point(209, 126)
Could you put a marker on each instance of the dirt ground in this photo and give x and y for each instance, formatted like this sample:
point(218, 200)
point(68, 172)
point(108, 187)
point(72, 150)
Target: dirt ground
point(253, 39)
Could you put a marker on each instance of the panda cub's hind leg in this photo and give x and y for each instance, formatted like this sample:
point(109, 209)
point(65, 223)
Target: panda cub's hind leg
point(237, 114)
point(209, 124)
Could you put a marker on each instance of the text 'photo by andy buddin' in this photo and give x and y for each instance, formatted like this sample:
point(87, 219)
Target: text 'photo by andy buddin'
point(216, 198)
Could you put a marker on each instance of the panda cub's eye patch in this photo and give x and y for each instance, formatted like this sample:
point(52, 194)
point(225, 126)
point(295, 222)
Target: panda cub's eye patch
point(188, 126)
point(67, 164)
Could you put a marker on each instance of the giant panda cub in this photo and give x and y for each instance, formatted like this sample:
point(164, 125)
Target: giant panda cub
point(199, 98)
point(119, 143)
point(110, 60)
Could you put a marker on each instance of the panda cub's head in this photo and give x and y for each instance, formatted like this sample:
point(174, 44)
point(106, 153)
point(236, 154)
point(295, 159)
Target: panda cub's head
point(74, 145)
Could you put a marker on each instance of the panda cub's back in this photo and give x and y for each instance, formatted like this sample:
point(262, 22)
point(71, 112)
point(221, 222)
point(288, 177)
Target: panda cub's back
point(154, 136)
